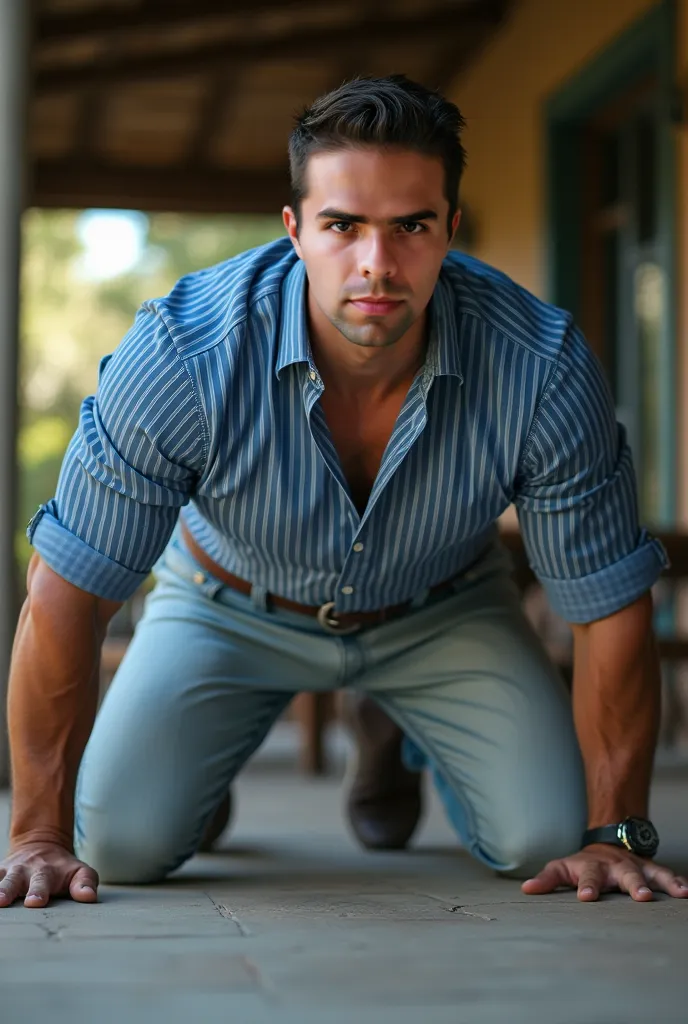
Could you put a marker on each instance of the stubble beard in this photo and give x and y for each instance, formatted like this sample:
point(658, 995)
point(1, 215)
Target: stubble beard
point(374, 334)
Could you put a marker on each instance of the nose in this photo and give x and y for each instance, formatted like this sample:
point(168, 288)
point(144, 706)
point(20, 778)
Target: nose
point(376, 260)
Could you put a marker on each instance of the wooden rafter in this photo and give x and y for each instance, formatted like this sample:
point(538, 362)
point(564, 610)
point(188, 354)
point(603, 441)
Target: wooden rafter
point(79, 185)
point(418, 29)
point(72, 25)
point(222, 94)
point(190, 137)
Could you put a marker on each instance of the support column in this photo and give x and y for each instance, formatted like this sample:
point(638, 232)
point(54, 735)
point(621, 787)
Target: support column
point(14, 36)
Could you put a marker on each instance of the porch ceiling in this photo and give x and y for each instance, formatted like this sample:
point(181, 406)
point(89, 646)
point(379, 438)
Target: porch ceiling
point(187, 104)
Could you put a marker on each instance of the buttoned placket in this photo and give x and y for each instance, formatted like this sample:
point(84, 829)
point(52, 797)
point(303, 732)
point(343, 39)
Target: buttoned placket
point(415, 409)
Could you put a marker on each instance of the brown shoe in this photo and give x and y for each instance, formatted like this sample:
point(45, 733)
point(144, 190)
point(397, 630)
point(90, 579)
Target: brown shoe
point(217, 824)
point(384, 802)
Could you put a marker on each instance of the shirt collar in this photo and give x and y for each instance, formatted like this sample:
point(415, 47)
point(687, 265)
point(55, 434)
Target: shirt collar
point(442, 357)
point(293, 343)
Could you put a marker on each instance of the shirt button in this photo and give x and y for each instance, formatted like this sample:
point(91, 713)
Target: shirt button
point(347, 590)
point(313, 375)
point(358, 546)
point(199, 577)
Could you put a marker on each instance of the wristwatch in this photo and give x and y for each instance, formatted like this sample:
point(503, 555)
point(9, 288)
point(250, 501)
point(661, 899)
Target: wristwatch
point(635, 834)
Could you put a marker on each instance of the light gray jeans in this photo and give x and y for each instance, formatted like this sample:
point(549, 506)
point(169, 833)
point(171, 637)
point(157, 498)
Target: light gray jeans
point(209, 671)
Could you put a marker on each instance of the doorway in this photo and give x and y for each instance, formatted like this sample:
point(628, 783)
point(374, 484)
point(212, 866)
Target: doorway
point(611, 238)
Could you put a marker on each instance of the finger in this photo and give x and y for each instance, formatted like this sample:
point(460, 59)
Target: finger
point(13, 885)
point(39, 890)
point(84, 886)
point(665, 880)
point(590, 882)
point(633, 882)
point(550, 878)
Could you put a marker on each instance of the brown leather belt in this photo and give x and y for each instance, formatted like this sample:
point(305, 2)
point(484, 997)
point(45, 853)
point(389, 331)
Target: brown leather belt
point(339, 622)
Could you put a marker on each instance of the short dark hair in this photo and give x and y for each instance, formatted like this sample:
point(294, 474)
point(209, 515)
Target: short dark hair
point(392, 112)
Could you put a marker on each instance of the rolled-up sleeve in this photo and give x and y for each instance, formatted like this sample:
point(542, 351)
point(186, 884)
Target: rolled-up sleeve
point(134, 461)
point(576, 496)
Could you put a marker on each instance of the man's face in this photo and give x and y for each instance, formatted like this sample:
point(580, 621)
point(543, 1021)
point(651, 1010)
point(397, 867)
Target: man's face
point(373, 234)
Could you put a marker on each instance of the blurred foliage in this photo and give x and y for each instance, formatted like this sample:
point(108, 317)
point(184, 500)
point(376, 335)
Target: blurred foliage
point(69, 321)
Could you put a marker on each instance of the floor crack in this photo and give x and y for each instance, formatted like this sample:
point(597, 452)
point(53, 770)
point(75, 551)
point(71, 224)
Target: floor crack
point(458, 909)
point(229, 915)
point(54, 934)
point(535, 900)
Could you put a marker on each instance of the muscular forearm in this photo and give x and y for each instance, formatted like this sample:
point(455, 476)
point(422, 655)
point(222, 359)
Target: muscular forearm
point(53, 690)
point(616, 699)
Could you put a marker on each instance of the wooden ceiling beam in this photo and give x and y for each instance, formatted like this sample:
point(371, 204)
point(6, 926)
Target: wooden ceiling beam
point(221, 98)
point(71, 25)
point(374, 27)
point(75, 185)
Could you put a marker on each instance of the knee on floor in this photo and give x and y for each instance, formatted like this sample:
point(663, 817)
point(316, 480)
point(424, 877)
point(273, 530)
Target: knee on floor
point(522, 853)
point(129, 852)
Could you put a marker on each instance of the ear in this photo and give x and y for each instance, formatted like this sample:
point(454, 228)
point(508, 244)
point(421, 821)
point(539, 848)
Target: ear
point(456, 220)
point(290, 223)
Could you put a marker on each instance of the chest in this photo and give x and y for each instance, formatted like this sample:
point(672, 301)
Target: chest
point(360, 433)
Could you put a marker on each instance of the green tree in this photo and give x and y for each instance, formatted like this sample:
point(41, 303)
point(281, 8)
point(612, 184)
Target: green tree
point(70, 321)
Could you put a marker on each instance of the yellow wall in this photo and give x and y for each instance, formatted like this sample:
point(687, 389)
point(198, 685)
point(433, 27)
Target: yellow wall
point(503, 96)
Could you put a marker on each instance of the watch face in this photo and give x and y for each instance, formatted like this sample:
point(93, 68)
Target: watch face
point(640, 836)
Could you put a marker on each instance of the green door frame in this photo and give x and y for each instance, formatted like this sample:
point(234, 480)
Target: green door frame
point(646, 47)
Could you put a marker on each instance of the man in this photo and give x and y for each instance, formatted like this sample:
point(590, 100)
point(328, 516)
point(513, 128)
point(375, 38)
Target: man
point(340, 417)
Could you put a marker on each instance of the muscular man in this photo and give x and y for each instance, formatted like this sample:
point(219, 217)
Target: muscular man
point(311, 444)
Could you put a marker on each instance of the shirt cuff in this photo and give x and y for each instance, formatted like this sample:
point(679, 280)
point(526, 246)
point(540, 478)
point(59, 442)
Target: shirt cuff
point(77, 562)
point(608, 590)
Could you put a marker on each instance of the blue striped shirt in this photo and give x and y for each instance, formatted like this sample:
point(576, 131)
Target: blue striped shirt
point(210, 405)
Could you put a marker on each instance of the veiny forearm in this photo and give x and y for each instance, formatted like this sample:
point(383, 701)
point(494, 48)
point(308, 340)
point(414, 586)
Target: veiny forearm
point(53, 691)
point(616, 703)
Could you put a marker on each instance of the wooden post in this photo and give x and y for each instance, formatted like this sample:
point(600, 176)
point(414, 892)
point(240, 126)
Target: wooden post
point(14, 32)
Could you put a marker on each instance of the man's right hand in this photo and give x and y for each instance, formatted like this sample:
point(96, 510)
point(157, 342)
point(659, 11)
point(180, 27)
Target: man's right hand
point(37, 871)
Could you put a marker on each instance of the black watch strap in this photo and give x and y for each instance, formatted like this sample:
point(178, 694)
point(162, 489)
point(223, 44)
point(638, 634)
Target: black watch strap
point(638, 835)
point(604, 834)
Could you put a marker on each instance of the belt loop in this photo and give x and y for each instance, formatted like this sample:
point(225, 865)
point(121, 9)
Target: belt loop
point(259, 597)
point(420, 599)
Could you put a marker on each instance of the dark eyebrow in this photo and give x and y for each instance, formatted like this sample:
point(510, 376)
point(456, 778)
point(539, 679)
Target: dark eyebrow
point(353, 218)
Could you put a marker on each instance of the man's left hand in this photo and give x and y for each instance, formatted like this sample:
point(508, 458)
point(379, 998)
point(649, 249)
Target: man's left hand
point(601, 868)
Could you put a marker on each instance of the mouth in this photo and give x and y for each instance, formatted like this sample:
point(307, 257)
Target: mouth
point(375, 307)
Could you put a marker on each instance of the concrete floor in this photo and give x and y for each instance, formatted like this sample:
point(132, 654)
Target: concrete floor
point(292, 923)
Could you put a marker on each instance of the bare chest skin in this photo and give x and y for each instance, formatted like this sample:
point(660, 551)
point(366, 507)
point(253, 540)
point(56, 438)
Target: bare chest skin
point(360, 432)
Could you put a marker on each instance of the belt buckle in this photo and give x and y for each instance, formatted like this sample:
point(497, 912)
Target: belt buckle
point(331, 624)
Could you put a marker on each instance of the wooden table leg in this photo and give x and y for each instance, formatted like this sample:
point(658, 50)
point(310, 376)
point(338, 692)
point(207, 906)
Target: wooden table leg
point(313, 711)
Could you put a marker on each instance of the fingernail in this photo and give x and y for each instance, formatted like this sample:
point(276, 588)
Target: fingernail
point(644, 890)
point(88, 888)
point(683, 885)
point(586, 892)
